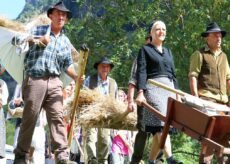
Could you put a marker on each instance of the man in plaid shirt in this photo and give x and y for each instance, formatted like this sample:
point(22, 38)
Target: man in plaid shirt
point(48, 55)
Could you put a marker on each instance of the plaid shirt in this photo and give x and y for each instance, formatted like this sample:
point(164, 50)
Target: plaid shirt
point(50, 60)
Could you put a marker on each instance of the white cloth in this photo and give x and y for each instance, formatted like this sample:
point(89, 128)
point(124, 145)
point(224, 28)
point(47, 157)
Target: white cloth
point(5, 93)
point(13, 62)
point(3, 96)
point(38, 140)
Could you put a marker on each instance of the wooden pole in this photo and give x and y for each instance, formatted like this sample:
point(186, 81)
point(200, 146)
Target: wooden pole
point(81, 70)
point(192, 100)
point(156, 83)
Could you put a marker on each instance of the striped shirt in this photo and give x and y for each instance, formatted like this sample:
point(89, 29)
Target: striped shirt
point(50, 60)
point(133, 76)
point(103, 86)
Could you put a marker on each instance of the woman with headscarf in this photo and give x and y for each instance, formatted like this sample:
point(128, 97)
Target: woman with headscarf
point(156, 62)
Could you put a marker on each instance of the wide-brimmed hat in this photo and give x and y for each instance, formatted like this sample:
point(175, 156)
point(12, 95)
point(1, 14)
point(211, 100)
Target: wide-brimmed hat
point(103, 60)
point(213, 27)
point(59, 6)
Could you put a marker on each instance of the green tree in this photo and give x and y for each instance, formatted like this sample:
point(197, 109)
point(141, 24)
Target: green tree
point(118, 29)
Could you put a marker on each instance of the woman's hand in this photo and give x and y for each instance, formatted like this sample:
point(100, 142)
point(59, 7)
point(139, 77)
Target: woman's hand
point(140, 97)
point(131, 106)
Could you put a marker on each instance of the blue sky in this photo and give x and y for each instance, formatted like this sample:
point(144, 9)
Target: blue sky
point(11, 8)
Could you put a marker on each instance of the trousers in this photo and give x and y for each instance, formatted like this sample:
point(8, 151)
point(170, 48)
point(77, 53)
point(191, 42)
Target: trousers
point(46, 93)
point(97, 145)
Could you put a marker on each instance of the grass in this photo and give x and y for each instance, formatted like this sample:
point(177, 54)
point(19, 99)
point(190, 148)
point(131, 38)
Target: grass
point(10, 128)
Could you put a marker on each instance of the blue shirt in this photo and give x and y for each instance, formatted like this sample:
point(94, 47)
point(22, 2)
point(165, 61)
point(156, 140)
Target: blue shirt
point(102, 86)
point(50, 60)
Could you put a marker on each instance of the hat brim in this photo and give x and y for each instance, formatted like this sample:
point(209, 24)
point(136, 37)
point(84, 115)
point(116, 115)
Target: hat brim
point(96, 64)
point(205, 34)
point(50, 10)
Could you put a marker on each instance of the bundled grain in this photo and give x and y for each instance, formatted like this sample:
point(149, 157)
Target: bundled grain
point(13, 25)
point(38, 21)
point(97, 110)
point(24, 27)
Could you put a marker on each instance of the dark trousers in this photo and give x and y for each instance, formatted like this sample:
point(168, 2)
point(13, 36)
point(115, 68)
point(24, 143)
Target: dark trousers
point(140, 140)
point(139, 147)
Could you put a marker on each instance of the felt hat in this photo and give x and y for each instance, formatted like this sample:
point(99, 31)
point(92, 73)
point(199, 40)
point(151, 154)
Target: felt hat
point(59, 6)
point(213, 27)
point(103, 60)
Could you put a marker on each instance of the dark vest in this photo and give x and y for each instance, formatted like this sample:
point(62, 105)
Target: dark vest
point(212, 76)
point(112, 84)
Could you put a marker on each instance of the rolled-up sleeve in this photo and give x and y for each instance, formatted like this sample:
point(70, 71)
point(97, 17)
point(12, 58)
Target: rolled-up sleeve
point(195, 64)
point(228, 71)
point(141, 70)
point(133, 77)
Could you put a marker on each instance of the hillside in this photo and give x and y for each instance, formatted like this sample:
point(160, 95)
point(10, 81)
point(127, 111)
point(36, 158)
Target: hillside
point(35, 7)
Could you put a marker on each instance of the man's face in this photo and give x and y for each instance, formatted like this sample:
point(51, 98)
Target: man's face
point(103, 69)
point(58, 18)
point(214, 40)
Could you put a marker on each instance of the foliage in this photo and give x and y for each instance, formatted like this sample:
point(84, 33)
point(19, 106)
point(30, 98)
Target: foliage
point(10, 128)
point(185, 148)
point(118, 29)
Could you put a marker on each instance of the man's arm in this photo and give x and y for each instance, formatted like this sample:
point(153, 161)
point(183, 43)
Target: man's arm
point(193, 85)
point(71, 72)
point(196, 61)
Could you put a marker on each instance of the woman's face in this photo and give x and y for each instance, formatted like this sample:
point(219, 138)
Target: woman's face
point(158, 32)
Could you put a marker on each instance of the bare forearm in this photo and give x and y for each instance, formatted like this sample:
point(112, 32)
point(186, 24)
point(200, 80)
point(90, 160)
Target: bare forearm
point(130, 97)
point(71, 72)
point(131, 92)
point(193, 85)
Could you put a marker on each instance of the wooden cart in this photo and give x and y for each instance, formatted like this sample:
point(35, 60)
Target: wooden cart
point(213, 132)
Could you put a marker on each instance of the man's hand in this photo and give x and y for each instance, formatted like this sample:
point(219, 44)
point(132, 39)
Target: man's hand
point(84, 47)
point(82, 78)
point(44, 39)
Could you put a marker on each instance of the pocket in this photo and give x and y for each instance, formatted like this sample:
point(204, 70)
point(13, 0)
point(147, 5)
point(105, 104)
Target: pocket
point(58, 82)
point(61, 83)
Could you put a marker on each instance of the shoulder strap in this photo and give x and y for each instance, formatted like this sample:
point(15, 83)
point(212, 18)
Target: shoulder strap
point(93, 81)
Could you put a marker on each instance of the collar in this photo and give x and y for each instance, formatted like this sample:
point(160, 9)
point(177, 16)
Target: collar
point(103, 81)
point(206, 48)
point(50, 31)
point(154, 47)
